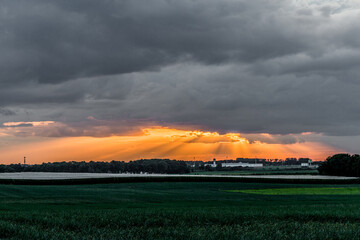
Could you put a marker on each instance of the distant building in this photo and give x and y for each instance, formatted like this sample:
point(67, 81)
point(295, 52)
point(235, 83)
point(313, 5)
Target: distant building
point(305, 162)
point(241, 164)
point(213, 164)
point(288, 163)
point(245, 162)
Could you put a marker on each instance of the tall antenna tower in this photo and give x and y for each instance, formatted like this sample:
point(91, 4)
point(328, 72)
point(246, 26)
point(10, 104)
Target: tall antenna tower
point(24, 160)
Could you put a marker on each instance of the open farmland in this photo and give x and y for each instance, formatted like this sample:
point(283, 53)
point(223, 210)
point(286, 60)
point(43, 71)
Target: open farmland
point(178, 210)
point(83, 178)
point(303, 191)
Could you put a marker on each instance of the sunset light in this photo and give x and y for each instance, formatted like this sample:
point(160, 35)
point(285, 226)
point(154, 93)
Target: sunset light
point(154, 142)
point(179, 119)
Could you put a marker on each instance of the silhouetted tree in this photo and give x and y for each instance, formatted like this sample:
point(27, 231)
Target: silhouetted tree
point(143, 165)
point(341, 165)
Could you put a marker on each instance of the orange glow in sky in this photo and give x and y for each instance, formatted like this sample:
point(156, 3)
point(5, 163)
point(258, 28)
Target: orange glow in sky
point(158, 142)
point(40, 123)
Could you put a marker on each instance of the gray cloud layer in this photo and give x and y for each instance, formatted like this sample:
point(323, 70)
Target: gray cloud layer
point(245, 66)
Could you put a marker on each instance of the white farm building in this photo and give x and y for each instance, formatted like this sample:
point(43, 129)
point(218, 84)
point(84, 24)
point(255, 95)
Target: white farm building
point(224, 164)
point(241, 164)
point(213, 164)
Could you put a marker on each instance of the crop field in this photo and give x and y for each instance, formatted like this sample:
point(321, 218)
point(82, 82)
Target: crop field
point(180, 210)
point(303, 191)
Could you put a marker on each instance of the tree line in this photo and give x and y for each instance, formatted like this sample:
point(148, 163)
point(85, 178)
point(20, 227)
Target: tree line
point(341, 165)
point(138, 166)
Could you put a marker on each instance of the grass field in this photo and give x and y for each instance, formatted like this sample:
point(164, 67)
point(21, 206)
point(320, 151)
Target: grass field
point(303, 191)
point(176, 210)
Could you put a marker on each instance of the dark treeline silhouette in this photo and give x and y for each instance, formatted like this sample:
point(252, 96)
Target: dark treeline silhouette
point(341, 165)
point(138, 166)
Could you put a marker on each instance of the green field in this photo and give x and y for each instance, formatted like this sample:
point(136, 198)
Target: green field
point(303, 191)
point(176, 210)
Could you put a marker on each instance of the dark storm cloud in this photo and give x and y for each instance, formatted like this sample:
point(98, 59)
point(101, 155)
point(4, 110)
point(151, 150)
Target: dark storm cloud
point(276, 104)
point(246, 66)
point(54, 41)
point(6, 112)
point(90, 127)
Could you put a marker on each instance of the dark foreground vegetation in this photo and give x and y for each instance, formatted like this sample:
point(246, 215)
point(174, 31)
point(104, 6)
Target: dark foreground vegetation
point(139, 166)
point(178, 211)
point(341, 165)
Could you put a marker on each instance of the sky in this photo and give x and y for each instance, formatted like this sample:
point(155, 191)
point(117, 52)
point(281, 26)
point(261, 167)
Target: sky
point(193, 79)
